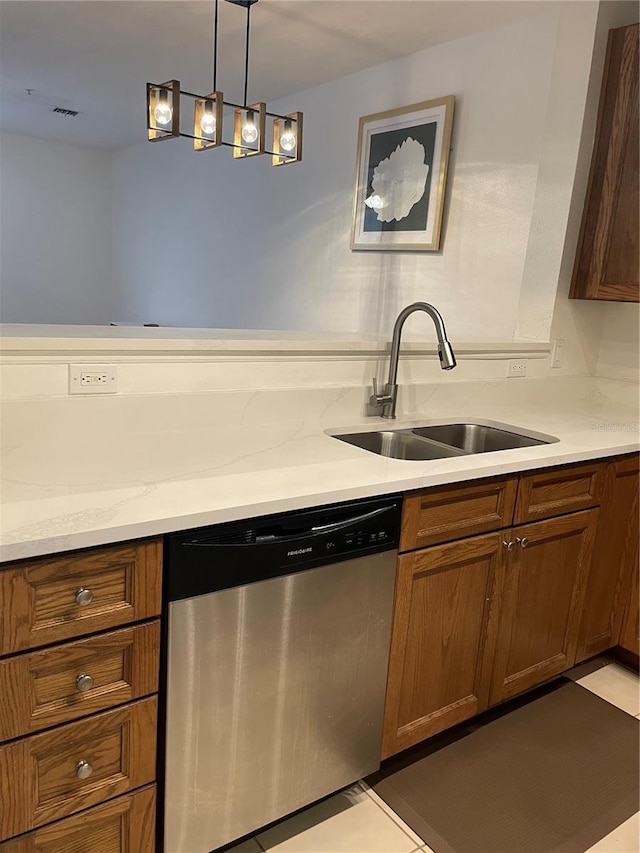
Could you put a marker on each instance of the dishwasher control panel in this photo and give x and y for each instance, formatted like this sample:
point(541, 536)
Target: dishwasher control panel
point(228, 555)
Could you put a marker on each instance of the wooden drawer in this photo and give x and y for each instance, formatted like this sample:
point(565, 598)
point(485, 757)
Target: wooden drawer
point(453, 512)
point(559, 491)
point(46, 601)
point(39, 780)
point(45, 688)
point(124, 825)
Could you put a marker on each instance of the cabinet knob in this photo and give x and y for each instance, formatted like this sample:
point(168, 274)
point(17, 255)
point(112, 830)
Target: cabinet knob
point(83, 770)
point(84, 682)
point(84, 597)
point(508, 545)
point(523, 542)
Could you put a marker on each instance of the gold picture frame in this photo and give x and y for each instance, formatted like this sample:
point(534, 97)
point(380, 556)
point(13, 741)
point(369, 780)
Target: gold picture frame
point(401, 177)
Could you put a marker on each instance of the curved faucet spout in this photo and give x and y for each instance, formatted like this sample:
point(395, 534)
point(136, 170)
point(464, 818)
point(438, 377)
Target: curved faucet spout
point(446, 355)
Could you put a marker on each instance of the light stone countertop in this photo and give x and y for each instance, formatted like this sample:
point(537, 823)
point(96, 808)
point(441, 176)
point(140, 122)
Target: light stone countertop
point(80, 473)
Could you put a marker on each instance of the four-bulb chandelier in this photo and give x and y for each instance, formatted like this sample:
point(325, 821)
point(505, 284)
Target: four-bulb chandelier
point(249, 120)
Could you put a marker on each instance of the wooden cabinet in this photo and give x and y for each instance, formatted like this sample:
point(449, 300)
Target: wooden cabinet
point(443, 638)
point(628, 554)
point(46, 601)
point(482, 618)
point(542, 602)
point(607, 259)
point(61, 683)
point(123, 825)
point(451, 512)
point(51, 775)
point(546, 494)
point(71, 735)
point(615, 556)
point(629, 637)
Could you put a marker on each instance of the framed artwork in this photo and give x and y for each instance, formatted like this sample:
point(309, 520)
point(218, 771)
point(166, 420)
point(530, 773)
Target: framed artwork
point(403, 156)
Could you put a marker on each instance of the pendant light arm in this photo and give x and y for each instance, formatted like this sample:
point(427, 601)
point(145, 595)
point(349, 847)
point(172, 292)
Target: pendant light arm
point(246, 55)
point(215, 46)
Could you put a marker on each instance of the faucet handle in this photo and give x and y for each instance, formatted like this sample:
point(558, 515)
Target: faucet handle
point(377, 399)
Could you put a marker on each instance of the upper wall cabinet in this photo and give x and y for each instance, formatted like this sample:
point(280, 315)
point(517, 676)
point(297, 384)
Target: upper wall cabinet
point(606, 265)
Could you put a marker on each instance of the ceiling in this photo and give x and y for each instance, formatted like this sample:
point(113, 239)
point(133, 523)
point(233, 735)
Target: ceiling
point(96, 57)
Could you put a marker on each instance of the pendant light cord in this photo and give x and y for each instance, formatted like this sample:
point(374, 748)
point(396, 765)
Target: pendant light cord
point(246, 56)
point(215, 46)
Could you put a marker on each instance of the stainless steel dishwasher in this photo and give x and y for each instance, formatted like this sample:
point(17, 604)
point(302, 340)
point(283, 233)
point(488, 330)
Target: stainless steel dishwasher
point(278, 647)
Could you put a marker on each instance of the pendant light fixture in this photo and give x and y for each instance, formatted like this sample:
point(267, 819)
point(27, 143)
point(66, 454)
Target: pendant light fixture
point(249, 120)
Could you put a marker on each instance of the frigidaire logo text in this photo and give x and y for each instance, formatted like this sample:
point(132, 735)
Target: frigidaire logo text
point(299, 551)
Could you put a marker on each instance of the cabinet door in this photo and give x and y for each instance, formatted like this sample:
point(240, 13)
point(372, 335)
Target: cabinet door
point(614, 556)
point(630, 629)
point(606, 264)
point(542, 601)
point(443, 638)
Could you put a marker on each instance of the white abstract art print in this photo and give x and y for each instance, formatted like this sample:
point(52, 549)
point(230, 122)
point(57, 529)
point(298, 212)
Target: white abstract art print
point(401, 177)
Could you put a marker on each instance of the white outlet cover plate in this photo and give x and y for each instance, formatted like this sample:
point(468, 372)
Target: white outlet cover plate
point(517, 368)
point(93, 379)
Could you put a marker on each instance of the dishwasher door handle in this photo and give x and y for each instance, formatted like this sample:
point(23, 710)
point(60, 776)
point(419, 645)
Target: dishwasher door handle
point(358, 519)
point(298, 533)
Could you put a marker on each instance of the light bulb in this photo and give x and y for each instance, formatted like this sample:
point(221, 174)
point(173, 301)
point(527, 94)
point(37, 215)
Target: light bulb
point(208, 123)
point(249, 131)
point(288, 141)
point(163, 112)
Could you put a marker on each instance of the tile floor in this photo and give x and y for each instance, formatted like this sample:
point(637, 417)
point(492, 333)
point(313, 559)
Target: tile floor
point(358, 821)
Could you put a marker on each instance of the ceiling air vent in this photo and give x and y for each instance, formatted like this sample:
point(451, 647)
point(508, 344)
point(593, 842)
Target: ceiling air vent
point(63, 112)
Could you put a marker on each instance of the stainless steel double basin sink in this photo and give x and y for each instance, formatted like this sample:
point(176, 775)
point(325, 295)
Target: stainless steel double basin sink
point(443, 440)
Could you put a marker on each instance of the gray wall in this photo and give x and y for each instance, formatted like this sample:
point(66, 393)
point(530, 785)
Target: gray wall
point(55, 232)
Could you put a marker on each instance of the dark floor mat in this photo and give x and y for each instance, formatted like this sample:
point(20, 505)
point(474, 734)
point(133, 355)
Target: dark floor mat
point(555, 775)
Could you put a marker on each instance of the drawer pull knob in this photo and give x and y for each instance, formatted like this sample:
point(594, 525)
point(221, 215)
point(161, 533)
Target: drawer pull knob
point(524, 542)
point(83, 770)
point(509, 545)
point(84, 597)
point(84, 682)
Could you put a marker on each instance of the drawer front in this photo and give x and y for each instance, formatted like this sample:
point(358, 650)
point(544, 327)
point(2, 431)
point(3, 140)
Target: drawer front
point(46, 601)
point(48, 776)
point(63, 683)
point(454, 512)
point(124, 825)
point(559, 491)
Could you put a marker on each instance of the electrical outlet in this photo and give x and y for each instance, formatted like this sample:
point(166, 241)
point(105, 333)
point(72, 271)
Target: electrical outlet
point(93, 379)
point(517, 368)
point(557, 352)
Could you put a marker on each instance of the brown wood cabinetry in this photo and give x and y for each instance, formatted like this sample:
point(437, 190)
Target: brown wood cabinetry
point(55, 671)
point(542, 602)
point(546, 494)
point(629, 637)
point(451, 512)
point(607, 259)
point(615, 555)
point(443, 638)
point(479, 619)
point(123, 825)
point(46, 601)
point(55, 685)
point(51, 775)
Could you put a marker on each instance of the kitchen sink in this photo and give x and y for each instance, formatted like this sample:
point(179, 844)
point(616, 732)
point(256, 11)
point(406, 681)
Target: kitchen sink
point(442, 441)
point(477, 438)
point(400, 444)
